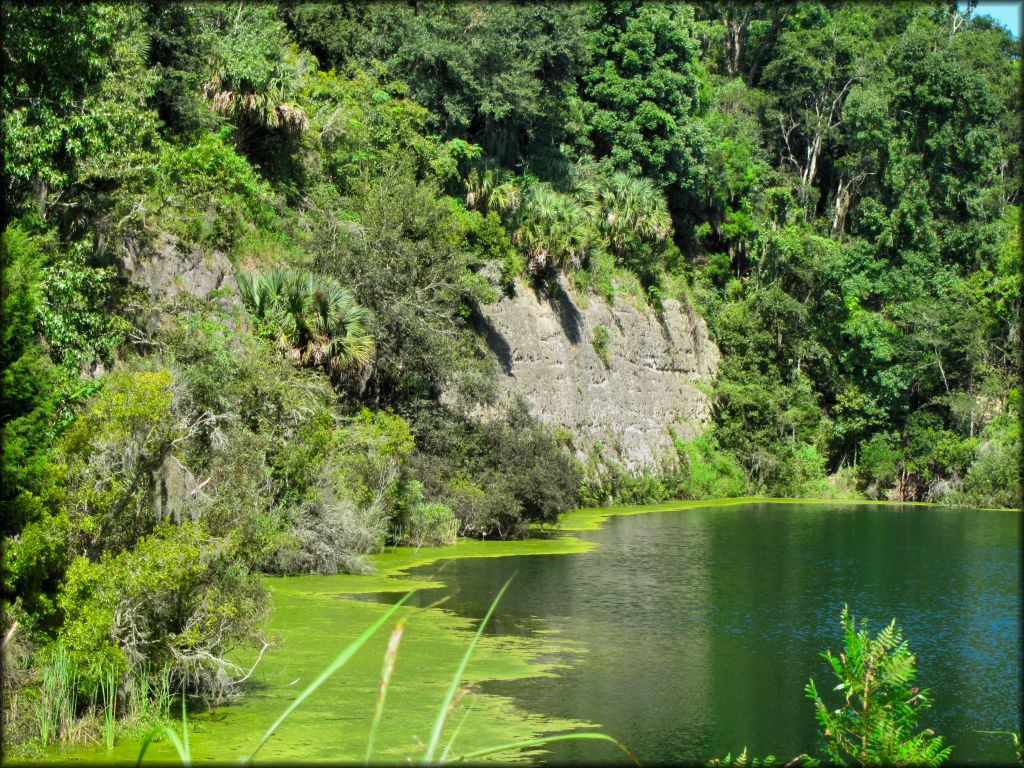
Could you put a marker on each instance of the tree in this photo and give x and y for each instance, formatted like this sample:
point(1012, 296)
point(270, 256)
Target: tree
point(406, 258)
point(497, 74)
point(76, 122)
point(642, 94)
point(819, 58)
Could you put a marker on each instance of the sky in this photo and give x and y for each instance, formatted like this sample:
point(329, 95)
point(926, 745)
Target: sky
point(1006, 12)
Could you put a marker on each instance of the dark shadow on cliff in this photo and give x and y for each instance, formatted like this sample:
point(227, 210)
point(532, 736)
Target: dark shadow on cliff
point(495, 341)
point(569, 316)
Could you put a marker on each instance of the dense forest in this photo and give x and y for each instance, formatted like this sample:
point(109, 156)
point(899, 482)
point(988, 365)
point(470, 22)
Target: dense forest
point(834, 187)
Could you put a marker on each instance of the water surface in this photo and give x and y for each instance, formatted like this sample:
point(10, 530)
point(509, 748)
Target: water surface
point(699, 628)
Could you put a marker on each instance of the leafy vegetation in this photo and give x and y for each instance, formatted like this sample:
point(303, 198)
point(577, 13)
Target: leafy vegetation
point(876, 721)
point(836, 188)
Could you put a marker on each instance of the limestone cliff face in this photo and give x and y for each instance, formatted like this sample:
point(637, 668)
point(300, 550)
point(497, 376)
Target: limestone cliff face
point(647, 382)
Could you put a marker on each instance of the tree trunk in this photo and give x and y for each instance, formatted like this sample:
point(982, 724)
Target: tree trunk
point(736, 29)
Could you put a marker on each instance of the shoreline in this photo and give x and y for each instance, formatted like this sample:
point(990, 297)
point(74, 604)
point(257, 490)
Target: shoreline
point(391, 565)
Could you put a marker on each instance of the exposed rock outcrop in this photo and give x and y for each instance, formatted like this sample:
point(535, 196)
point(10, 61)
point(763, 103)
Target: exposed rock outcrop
point(169, 270)
point(172, 272)
point(625, 398)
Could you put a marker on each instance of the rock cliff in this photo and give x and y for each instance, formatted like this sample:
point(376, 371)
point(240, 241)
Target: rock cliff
point(621, 396)
point(170, 270)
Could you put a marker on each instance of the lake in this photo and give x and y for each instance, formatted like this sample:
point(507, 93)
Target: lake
point(686, 634)
point(701, 627)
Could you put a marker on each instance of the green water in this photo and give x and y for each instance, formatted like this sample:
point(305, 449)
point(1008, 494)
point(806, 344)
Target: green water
point(684, 633)
point(701, 627)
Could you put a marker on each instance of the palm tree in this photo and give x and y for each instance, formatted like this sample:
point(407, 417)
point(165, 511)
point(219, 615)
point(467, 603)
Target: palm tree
point(492, 189)
point(263, 106)
point(338, 328)
point(554, 229)
point(632, 206)
point(313, 318)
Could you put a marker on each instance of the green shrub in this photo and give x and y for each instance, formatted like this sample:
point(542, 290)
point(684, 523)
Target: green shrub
point(879, 457)
point(485, 510)
point(103, 471)
point(541, 476)
point(329, 533)
point(599, 338)
point(876, 720)
point(710, 473)
point(208, 193)
point(178, 599)
point(429, 525)
point(994, 477)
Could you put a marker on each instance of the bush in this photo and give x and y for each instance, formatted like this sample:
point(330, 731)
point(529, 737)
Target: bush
point(104, 468)
point(520, 474)
point(599, 339)
point(709, 472)
point(354, 491)
point(994, 477)
point(328, 534)
point(540, 475)
point(879, 457)
point(876, 721)
point(178, 599)
point(429, 525)
point(491, 512)
point(208, 193)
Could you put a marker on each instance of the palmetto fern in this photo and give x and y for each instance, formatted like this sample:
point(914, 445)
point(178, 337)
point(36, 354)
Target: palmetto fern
point(632, 206)
point(554, 229)
point(270, 103)
point(313, 319)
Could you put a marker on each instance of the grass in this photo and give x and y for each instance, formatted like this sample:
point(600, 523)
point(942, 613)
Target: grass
point(599, 339)
point(181, 744)
point(55, 710)
point(108, 687)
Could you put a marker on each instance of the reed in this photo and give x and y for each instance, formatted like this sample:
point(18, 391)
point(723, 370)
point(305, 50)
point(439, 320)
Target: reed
point(446, 703)
point(108, 688)
point(162, 693)
point(58, 699)
point(390, 656)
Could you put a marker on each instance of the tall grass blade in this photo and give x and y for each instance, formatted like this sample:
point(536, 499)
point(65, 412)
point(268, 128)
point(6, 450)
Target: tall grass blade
point(455, 733)
point(442, 714)
point(163, 703)
point(540, 742)
point(385, 679)
point(184, 731)
point(183, 755)
point(144, 747)
point(58, 698)
point(108, 687)
point(333, 667)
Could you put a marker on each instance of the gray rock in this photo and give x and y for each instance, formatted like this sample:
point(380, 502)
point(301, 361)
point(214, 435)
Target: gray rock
point(171, 271)
point(650, 383)
point(169, 268)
